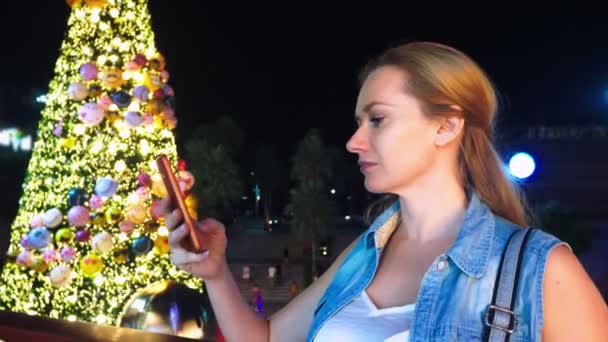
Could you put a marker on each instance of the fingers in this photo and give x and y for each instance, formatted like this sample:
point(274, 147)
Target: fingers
point(173, 219)
point(177, 235)
point(210, 225)
point(182, 257)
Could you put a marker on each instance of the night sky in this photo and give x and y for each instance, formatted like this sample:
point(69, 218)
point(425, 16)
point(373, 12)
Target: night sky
point(281, 70)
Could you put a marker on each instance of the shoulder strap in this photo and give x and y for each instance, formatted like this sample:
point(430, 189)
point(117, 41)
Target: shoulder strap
point(500, 317)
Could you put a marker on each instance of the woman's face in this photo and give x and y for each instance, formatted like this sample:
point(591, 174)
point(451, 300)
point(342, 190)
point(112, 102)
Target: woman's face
point(394, 140)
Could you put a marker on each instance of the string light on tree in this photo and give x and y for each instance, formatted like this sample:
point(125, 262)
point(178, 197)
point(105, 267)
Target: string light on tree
point(81, 243)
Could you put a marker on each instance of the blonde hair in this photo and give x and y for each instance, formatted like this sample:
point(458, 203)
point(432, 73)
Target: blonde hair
point(441, 77)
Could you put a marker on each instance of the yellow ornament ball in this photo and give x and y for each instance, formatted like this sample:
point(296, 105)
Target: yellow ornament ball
point(91, 264)
point(112, 78)
point(96, 3)
point(74, 3)
point(158, 187)
point(112, 215)
point(136, 213)
point(192, 204)
point(153, 81)
point(68, 142)
point(157, 62)
point(39, 265)
point(161, 245)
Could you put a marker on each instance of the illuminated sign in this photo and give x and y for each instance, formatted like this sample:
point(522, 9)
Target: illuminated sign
point(14, 138)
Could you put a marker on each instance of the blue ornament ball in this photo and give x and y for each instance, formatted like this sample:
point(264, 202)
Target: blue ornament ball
point(142, 245)
point(76, 196)
point(39, 237)
point(121, 99)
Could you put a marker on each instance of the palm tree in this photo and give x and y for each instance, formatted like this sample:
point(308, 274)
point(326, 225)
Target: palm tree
point(219, 184)
point(269, 173)
point(312, 210)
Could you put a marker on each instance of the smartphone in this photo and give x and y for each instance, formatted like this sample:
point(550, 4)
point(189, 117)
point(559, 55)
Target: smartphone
point(177, 198)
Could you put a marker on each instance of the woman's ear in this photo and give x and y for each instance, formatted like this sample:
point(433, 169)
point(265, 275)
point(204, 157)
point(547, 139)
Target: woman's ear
point(449, 130)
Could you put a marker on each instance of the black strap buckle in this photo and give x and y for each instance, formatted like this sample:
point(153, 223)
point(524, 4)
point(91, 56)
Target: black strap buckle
point(512, 319)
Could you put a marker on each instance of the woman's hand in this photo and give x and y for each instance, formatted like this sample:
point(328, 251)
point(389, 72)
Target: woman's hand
point(211, 234)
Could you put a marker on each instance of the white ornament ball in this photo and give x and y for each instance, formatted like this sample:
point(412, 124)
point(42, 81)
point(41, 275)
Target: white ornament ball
point(78, 91)
point(52, 218)
point(61, 276)
point(102, 242)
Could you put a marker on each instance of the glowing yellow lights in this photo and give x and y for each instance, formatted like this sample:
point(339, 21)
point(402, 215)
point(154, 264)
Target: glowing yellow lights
point(112, 147)
point(114, 12)
point(101, 60)
point(138, 76)
point(162, 231)
point(87, 50)
point(134, 106)
point(152, 165)
point(144, 147)
point(96, 147)
point(125, 133)
point(126, 75)
point(150, 51)
point(101, 319)
point(99, 280)
point(165, 133)
point(120, 166)
point(80, 129)
point(125, 47)
point(108, 37)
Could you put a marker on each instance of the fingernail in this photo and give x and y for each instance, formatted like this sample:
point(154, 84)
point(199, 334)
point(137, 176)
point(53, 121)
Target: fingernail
point(205, 254)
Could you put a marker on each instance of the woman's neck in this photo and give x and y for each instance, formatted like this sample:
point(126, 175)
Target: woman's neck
point(430, 213)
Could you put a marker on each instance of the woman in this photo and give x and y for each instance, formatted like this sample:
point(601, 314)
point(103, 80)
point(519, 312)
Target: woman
point(426, 267)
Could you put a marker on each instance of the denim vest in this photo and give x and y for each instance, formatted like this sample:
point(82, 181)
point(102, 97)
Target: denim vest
point(457, 289)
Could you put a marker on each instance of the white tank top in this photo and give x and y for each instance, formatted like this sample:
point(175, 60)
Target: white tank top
point(361, 320)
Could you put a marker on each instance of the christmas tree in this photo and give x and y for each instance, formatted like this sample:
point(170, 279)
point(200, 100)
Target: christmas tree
point(89, 231)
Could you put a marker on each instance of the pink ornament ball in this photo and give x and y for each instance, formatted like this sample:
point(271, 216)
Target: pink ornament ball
point(49, 256)
point(25, 258)
point(91, 113)
point(126, 227)
point(89, 71)
point(67, 254)
point(144, 179)
point(79, 216)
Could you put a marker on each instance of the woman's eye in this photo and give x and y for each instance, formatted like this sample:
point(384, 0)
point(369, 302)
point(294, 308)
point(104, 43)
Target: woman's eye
point(376, 120)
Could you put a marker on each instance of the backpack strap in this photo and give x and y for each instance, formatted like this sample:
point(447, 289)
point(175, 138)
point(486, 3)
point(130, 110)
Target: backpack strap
point(500, 318)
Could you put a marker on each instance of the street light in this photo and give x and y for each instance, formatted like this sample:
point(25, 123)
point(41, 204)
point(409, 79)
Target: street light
point(521, 165)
